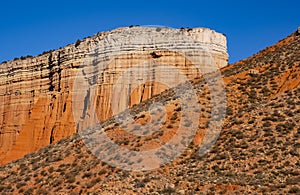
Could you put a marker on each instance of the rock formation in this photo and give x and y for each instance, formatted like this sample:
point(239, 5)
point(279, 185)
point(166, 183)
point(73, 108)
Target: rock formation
point(37, 93)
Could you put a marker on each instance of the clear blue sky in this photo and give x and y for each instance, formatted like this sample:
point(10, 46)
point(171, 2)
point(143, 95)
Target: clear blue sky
point(31, 27)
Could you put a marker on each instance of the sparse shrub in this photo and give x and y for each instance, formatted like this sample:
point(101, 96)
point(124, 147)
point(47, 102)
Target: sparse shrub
point(77, 42)
point(93, 182)
point(71, 177)
point(267, 124)
point(27, 178)
point(102, 171)
point(139, 184)
point(43, 173)
point(294, 190)
point(19, 185)
point(87, 174)
point(50, 170)
point(28, 191)
point(169, 126)
point(57, 183)
point(229, 111)
point(174, 116)
point(42, 192)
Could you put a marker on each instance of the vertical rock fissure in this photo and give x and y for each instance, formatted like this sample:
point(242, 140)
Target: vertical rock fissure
point(143, 92)
point(129, 92)
point(59, 71)
point(51, 136)
point(51, 72)
point(152, 84)
point(86, 103)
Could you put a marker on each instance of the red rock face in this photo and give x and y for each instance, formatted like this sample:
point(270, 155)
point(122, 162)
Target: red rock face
point(35, 103)
point(36, 94)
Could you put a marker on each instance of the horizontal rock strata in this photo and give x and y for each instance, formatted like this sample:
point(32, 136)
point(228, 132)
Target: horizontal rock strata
point(39, 95)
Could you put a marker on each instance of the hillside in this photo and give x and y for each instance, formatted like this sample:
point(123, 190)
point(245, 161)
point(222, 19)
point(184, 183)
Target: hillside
point(257, 150)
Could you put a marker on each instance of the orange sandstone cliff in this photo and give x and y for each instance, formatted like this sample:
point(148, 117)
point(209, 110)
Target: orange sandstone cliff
point(36, 93)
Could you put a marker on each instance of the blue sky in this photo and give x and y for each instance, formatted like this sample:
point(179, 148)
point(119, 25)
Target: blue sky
point(31, 27)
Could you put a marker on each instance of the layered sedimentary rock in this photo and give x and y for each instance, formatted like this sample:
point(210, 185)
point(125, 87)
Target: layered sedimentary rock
point(39, 95)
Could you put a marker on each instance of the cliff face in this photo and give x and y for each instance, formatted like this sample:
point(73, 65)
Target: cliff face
point(37, 93)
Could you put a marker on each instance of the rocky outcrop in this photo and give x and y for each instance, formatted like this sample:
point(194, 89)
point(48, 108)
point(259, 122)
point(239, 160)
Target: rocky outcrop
point(37, 93)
